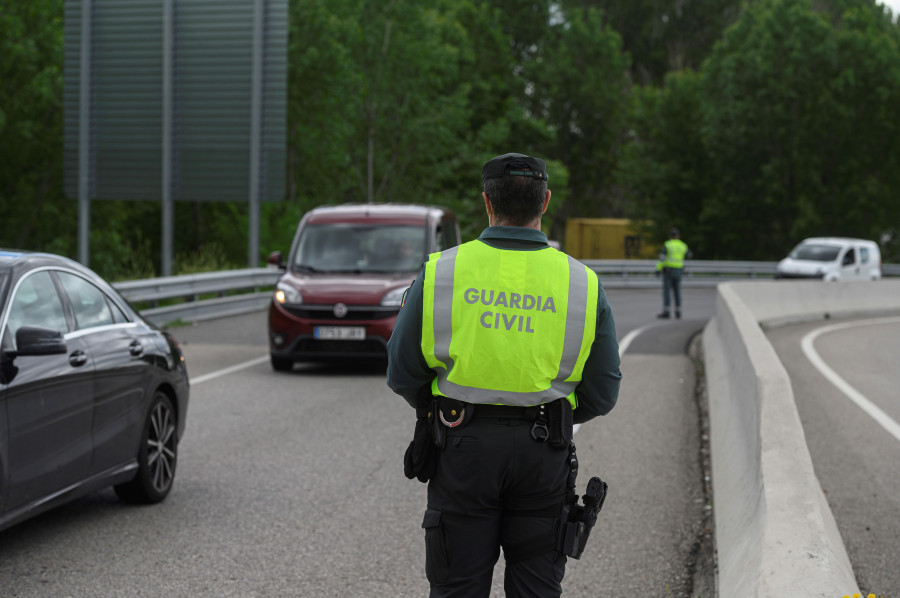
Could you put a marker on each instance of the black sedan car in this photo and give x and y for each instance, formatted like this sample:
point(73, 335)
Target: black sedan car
point(91, 395)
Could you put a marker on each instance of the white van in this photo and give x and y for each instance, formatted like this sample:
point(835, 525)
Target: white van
point(832, 258)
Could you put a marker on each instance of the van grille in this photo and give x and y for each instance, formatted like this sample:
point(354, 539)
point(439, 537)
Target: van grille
point(359, 312)
point(310, 346)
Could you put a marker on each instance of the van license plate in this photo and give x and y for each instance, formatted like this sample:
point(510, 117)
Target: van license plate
point(340, 333)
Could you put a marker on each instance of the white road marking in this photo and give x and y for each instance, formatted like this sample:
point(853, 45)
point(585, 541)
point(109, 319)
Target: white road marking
point(228, 370)
point(623, 346)
point(875, 412)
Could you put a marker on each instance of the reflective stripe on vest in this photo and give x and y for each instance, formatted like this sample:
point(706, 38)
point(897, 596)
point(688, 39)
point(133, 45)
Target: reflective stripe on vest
point(516, 338)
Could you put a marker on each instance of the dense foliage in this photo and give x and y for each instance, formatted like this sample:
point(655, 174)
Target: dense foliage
point(748, 124)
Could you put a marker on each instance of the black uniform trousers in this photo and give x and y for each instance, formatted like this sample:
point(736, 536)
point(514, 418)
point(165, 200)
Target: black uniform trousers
point(495, 486)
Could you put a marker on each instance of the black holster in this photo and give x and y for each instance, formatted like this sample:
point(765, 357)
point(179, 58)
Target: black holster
point(576, 520)
point(420, 458)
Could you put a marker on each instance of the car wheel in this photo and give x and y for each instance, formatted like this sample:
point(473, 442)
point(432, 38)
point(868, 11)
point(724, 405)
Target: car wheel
point(281, 364)
point(157, 456)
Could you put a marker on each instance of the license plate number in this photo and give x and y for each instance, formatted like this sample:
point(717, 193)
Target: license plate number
point(340, 333)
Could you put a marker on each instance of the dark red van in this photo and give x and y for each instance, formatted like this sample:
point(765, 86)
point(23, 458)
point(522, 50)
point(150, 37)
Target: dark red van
point(345, 276)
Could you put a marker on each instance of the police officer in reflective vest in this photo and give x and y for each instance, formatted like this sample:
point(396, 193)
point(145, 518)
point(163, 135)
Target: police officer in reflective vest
point(502, 344)
point(671, 265)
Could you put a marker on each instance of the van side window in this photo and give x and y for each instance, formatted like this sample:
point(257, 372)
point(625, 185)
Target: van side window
point(449, 236)
point(863, 255)
point(439, 240)
point(849, 258)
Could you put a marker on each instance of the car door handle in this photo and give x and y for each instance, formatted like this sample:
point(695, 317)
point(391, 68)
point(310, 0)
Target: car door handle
point(77, 358)
point(135, 348)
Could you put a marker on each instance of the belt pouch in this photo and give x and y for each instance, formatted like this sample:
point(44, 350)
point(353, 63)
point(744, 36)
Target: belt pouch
point(560, 415)
point(438, 430)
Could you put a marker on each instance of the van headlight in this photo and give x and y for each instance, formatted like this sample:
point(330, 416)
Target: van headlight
point(393, 298)
point(286, 294)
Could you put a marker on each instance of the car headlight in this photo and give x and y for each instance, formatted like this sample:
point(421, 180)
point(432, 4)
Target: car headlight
point(286, 294)
point(393, 298)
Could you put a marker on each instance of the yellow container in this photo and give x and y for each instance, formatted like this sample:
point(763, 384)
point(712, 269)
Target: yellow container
point(607, 239)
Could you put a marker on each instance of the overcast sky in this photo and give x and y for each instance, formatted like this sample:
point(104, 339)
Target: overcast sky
point(894, 5)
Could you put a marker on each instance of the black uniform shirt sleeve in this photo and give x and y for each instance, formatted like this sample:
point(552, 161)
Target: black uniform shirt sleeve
point(407, 370)
point(599, 387)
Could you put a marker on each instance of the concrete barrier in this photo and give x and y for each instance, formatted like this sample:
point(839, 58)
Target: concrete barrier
point(775, 533)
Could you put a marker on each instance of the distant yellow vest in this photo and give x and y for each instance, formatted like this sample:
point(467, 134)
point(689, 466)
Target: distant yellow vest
point(507, 327)
point(676, 249)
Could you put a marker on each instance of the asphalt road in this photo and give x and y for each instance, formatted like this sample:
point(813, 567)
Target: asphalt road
point(292, 485)
point(854, 453)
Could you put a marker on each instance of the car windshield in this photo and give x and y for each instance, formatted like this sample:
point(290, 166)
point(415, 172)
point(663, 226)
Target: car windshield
point(361, 248)
point(815, 252)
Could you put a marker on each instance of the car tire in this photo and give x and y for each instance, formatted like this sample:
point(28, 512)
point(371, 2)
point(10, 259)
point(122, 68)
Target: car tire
point(157, 455)
point(281, 364)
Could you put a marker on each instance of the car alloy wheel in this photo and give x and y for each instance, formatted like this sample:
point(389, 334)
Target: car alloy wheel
point(157, 456)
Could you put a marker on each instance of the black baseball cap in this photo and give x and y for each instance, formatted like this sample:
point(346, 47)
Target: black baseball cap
point(514, 165)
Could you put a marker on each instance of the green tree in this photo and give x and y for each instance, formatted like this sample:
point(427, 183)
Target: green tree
point(665, 171)
point(581, 91)
point(409, 108)
point(320, 84)
point(401, 102)
point(661, 37)
point(33, 212)
point(799, 111)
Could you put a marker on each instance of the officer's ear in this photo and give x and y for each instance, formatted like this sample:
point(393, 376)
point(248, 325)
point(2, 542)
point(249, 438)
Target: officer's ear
point(546, 202)
point(489, 208)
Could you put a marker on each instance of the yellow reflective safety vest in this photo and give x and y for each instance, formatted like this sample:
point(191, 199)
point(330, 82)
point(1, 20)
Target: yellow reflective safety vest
point(507, 327)
point(673, 257)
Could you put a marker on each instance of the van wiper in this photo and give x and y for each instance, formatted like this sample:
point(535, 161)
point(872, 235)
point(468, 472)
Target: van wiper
point(306, 268)
point(355, 270)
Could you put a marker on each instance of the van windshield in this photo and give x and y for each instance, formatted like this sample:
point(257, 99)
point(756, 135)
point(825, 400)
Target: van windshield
point(815, 252)
point(361, 248)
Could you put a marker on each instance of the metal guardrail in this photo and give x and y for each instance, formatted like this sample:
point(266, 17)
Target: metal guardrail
point(697, 273)
point(239, 291)
point(234, 292)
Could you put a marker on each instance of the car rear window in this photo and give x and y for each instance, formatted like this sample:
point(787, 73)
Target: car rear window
point(361, 248)
point(815, 252)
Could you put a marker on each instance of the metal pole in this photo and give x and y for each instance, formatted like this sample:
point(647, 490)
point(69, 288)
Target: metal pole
point(167, 113)
point(84, 135)
point(255, 132)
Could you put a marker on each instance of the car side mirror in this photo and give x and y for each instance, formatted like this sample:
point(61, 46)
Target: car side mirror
point(275, 259)
point(31, 340)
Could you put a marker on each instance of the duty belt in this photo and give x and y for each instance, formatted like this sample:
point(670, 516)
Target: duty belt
point(506, 411)
point(453, 413)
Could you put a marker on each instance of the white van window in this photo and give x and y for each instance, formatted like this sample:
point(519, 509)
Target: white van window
point(849, 258)
point(863, 255)
point(815, 252)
